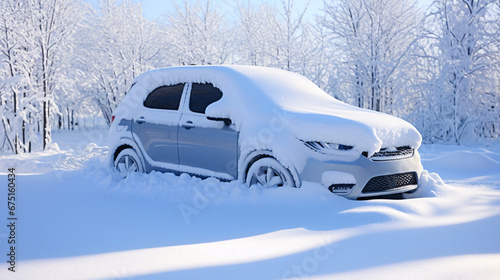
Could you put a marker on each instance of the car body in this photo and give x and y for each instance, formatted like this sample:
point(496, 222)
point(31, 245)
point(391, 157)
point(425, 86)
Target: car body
point(260, 126)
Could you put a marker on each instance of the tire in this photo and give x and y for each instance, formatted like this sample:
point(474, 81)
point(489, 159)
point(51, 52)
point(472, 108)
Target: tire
point(267, 172)
point(127, 162)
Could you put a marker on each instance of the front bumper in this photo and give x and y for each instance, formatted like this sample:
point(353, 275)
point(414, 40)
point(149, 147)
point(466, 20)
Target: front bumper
point(364, 169)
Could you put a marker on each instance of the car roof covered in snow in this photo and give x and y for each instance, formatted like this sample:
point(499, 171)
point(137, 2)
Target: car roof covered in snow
point(250, 82)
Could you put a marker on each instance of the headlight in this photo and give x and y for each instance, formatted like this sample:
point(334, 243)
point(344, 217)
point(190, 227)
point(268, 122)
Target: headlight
point(327, 148)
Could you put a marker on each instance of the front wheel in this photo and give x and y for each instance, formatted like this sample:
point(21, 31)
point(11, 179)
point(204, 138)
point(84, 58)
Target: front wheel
point(269, 173)
point(127, 162)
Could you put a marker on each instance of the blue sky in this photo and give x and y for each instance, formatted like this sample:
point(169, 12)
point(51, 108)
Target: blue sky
point(154, 9)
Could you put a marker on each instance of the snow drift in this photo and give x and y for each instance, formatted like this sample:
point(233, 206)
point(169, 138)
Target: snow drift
point(84, 223)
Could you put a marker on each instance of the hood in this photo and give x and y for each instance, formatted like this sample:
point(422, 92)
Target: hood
point(366, 131)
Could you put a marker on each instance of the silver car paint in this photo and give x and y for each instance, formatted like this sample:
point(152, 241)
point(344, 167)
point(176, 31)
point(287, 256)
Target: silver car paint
point(363, 170)
point(158, 138)
point(207, 144)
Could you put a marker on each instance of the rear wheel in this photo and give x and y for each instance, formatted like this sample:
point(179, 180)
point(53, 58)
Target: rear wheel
point(269, 173)
point(127, 162)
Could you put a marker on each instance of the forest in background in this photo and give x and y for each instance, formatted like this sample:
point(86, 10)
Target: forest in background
point(438, 67)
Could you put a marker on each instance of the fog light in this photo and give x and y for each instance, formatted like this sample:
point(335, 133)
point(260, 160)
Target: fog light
point(341, 188)
point(338, 182)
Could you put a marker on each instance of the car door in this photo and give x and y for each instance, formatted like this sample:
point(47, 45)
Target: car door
point(208, 146)
point(155, 126)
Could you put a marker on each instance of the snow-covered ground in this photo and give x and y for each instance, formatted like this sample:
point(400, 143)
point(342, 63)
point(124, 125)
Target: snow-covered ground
point(77, 221)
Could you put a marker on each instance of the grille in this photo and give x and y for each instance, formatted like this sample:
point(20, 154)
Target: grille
point(391, 154)
point(390, 182)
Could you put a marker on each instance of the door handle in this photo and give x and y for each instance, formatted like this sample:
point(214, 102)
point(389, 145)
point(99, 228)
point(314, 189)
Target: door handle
point(188, 125)
point(141, 120)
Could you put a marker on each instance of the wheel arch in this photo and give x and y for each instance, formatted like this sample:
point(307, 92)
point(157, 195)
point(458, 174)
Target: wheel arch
point(126, 143)
point(121, 148)
point(252, 157)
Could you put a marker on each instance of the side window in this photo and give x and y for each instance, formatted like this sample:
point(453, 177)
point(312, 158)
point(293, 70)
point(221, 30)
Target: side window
point(203, 95)
point(165, 97)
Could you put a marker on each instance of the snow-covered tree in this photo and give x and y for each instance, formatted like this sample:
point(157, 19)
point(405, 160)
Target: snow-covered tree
point(275, 36)
point(198, 34)
point(14, 86)
point(255, 44)
point(54, 23)
point(292, 37)
point(35, 42)
point(371, 38)
point(116, 45)
point(462, 97)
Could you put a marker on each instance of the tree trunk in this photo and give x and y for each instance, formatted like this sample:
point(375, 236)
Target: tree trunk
point(24, 136)
point(72, 119)
point(46, 124)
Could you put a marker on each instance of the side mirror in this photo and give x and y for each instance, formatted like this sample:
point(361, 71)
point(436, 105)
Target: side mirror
point(226, 121)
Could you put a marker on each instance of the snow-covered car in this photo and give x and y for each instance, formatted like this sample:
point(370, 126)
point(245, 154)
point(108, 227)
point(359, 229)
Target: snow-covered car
point(261, 126)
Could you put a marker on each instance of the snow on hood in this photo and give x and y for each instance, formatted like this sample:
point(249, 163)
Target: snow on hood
point(254, 97)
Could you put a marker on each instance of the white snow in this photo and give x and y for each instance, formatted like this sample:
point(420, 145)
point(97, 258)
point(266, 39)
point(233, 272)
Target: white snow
point(336, 177)
point(78, 221)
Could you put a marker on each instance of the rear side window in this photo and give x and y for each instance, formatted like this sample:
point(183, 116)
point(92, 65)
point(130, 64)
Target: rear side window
point(203, 95)
point(165, 97)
